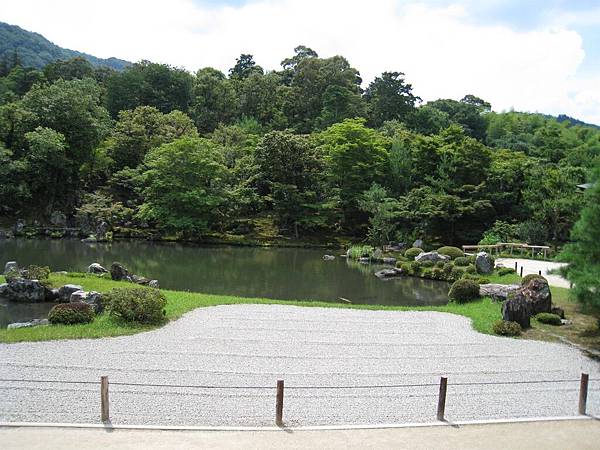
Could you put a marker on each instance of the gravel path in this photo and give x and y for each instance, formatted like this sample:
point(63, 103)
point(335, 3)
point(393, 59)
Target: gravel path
point(254, 345)
point(531, 266)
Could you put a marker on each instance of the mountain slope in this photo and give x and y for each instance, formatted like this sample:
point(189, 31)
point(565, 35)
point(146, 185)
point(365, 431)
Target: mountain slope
point(34, 50)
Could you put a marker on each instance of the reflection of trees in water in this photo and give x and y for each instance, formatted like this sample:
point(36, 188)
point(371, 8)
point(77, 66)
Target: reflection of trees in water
point(245, 271)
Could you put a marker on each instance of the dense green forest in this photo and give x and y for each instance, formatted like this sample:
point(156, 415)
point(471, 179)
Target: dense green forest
point(304, 151)
point(34, 50)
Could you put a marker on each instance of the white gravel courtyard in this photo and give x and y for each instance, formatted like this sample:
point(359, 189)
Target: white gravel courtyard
point(254, 345)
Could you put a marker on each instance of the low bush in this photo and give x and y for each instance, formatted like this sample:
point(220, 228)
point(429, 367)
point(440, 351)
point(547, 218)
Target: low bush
point(438, 273)
point(40, 273)
point(411, 253)
point(463, 291)
point(447, 268)
point(427, 273)
point(401, 258)
point(502, 271)
point(140, 305)
point(548, 318)
point(405, 267)
point(440, 264)
point(427, 264)
point(476, 278)
point(452, 252)
point(71, 313)
point(470, 269)
point(506, 328)
point(472, 259)
point(532, 276)
point(457, 273)
point(462, 261)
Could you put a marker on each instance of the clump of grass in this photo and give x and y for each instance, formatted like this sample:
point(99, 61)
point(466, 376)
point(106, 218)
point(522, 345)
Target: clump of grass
point(360, 251)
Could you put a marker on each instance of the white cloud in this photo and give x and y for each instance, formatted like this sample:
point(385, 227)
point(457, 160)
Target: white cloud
point(441, 51)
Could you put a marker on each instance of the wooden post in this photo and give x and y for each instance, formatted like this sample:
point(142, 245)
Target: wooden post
point(104, 411)
point(539, 272)
point(442, 398)
point(515, 265)
point(583, 390)
point(521, 271)
point(279, 404)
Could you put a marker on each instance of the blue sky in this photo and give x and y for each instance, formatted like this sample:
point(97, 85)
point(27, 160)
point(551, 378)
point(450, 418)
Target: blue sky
point(531, 55)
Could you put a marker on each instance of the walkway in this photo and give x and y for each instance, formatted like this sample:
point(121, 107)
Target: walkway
point(531, 266)
point(321, 353)
point(572, 435)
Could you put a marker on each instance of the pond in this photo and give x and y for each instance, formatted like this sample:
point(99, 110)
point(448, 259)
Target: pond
point(278, 273)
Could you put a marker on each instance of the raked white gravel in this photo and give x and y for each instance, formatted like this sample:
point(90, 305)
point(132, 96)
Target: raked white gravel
point(254, 345)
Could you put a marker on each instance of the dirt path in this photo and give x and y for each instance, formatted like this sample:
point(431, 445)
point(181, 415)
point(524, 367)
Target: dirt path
point(531, 266)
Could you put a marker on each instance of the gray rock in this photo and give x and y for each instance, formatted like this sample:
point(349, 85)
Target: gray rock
point(388, 273)
point(389, 260)
point(418, 243)
point(538, 295)
point(101, 231)
point(431, 256)
point(498, 292)
point(11, 266)
point(328, 257)
point(31, 323)
point(94, 299)
point(58, 219)
point(154, 284)
point(23, 291)
point(19, 226)
point(364, 260)
point(78, 296)
point(517, 309)
point(96, 268)
point(484, 263)
point(64, 292)
point(118, 272)
point(52, 295)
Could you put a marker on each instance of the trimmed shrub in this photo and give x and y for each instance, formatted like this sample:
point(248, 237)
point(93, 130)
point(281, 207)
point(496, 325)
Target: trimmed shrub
point(140, 305)
point(472, 259)
point(470, 269)
point(457, 273)
point(463, 291)
point(71, 313)
point(452, 252)
point(462, 261)
point(527, 278)
point(427, 264)
point(506, 328)
point(439, 264)
point(401, 258)
point(548, 318)
point(476, 278)
point(411, 253)
point(502, 271)
point(427, 273)
point(39, 273)
point(405, 267)
point(447, 268)
point(438, 273)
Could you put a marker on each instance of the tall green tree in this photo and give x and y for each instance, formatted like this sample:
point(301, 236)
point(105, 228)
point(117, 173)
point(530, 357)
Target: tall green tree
point(214, 101)
point(389, 98)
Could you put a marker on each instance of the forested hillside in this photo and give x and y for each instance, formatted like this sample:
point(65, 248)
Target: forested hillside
point(34, 50)
point(303, 151)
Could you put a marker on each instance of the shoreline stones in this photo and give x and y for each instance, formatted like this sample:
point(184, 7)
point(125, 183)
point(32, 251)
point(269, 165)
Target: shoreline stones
point(31, 323)
point(97, 269)
point(92, 298)
point(388, 273)
point(431, 256)
point(11, 266)
point(498, 292)
point(328, 257)
point(24, 291)
point(64, 293)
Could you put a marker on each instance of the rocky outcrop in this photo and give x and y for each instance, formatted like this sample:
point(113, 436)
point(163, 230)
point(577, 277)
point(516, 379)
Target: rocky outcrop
point(388, 273)
point(31, 323)
point(64, 293)
point(94, 299)
point(389, 260)
point(537, 293)
point(24, 291)
point(498, 292)
point(484, 263)
point(97, 269)
point(431, 256)
point(517, 309)
point(11, 267)
point(118, 272)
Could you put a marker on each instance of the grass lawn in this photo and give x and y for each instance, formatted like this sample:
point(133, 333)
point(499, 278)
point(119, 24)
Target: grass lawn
point(483, 313)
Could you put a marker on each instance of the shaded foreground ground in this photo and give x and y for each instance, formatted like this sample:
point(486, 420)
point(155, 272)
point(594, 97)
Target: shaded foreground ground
point(573, 435)
point(323, 354)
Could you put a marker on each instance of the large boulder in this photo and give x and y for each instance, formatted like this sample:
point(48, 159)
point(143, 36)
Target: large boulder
point(537, 293)
point(96, 269)
point(418, 243)
point(388, 273)
point(431, 256)
point(118, 272)
point(11, 266)
point(94, 299)
point(517, 309)
point(64, 292)
point(484, 263)
point(23, 291)
point(498, 292)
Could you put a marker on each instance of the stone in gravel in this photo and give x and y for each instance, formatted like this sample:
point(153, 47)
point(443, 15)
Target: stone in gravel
point(498, 292)
point(388, 273)
point(517, 309)
point(484, 263)
point(11, 266)
point(64, 293)
point(431, 256)
point(96, 268)
point(537, 293)
point(118, 272)
point(23, 291)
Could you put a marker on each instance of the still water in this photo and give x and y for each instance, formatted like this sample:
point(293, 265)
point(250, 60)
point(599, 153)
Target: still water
point(279, 273)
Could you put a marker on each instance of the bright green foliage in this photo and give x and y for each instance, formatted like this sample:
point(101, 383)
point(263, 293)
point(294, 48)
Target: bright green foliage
point(360, 251)
point(185, 185)
point(463, 290)
point(381, 210)
point(215, 100)
point(141, 305)
point(452, 252)
point(506, 328)
point(411, 253)
point(71, 313)
point(583, 253)
point(389, 98)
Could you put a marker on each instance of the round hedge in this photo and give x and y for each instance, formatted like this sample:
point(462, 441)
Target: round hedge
point(142, 305)
point(506, 328)
point(411, 253)
point(532, 276)
point(71, 313)
point(463, 291)
point(462, 261)
point(452, 252)
point(548, 318)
